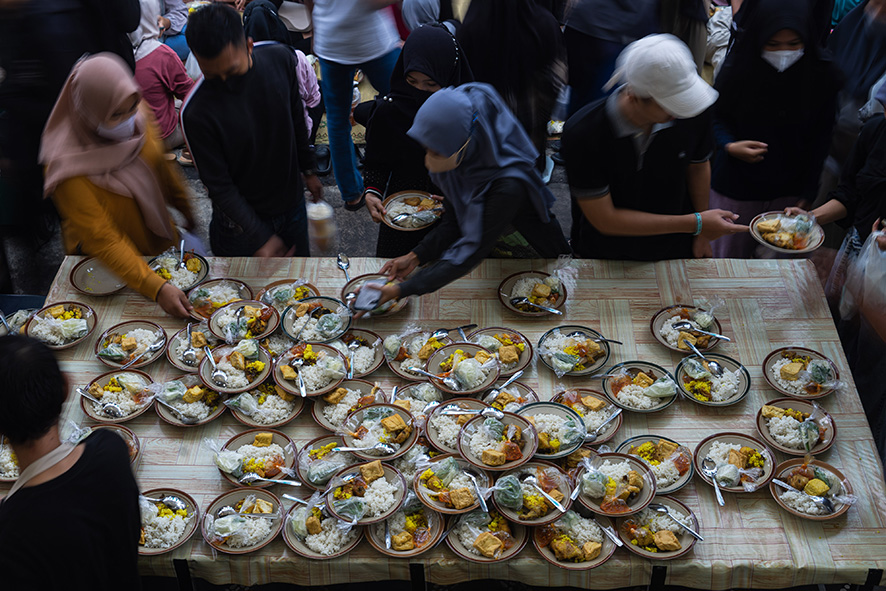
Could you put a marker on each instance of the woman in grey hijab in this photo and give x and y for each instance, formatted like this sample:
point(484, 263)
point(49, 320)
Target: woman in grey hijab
point(427, 12)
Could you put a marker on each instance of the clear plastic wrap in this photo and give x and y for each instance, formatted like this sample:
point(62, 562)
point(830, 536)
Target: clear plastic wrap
point(282, 296)
point(245, 403)
point(508, 492)
point(227, 460)
point(318, 470)
point(708, 306)
point(68, 330)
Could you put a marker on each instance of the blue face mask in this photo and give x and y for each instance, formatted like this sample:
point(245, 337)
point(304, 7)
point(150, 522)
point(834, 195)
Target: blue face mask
point(120, 132)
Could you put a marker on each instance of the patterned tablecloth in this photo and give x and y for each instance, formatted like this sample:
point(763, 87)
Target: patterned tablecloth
point(749, 543)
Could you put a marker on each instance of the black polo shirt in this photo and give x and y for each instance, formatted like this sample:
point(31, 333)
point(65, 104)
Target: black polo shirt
point(604, 153)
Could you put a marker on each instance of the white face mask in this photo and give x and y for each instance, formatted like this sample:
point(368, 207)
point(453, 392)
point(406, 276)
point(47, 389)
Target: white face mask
point(122, 131)
point(445, 164)
point(784, 59)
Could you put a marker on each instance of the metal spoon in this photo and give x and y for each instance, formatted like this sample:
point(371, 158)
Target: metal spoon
point(155, 346)
point(823, 501)
point(659, 508)
point(383, 447)
point(587, 337)
point(610, 533)
point(5, 324)
point(344, 264)
point(399, 218)
point(289, 497)
point(388, 529)
point(394, 395)
point(477, 491)
point(486, 412)
point(497, 390)
point(182, 418)
point(444, 332)
point(533, 482)
point(440, 333)
point(343, 480)
point(685, 325)
point(108, 408)
point(592, 436)
point(709, 467)
point(173, 502)
point(218, 376)
point(189, 355)
point(517, 301)
point(251, 477)
point(352, 347)
point(228, 510)
point(449, 382)
point(452, 523)
point(181, 255)
point(715, 368)
point(302, 389)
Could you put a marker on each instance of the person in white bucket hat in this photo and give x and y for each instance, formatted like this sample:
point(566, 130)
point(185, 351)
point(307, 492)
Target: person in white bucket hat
point(638, 160)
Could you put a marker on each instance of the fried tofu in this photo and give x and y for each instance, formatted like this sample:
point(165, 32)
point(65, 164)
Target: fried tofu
point(335, 396)
point(816, 487)
point(193, 265)
point(198, 340)
point(737, 459)
point(372, 471)
point(540, 290)
point(666, 540)
point(791, 371)
point(404, 404)
point(141, 537)
point(591, 550)
point(96, 390)
point(284, 394)
point(488, 545)
point(635, 479)
point(508, 354)
point(593, 348)
point(544, 443)
point(260, 506)
point(779, 239)
point(312, 524)
point(194, 394)
point(237, 360)
point(503, 399)
point(482, 357)
point(492, 457)
point(771, 412)
point(426, 351)
point(128, 343)
point(665, 449)
point(593, 403)
point(393, 423)
point(251, 311)
point(56, 311)
point(575, 458)
point(302, 309)
point(263, 439)
point(557, 495)
point(462, 419)
point(402, 542)
point(642, 380)
point(288, 372)
point(768, 226)
point(427, 203)
point(683, 338)
point(412, 201)
point(461, 497)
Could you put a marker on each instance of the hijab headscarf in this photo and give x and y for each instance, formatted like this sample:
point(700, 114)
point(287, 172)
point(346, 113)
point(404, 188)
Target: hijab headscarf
point(420, 12)
point(72, 148)
point(146, 38)
point(858, 45)
point(498, 148)
point(262, 23)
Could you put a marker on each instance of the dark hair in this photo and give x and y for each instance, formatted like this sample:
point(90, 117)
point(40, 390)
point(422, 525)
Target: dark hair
point(212, 28)
point(32, 389)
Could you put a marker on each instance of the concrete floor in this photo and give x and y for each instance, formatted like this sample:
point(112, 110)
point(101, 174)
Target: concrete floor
point(33, 264)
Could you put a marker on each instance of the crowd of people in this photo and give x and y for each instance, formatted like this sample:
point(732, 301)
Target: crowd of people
point(683, 121)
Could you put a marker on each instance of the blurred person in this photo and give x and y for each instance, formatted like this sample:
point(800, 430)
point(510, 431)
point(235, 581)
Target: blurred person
point(480, 156)
point(351, 35)
point(59, 486)
point(109, 179)
point(773, 120)
point(173, 22)
point(638, 161)
point(160, 74)
point(427, 12)
point(244, 124)
point(687, 20)
point(517, 47)
point(719, 29)
point(431, 59)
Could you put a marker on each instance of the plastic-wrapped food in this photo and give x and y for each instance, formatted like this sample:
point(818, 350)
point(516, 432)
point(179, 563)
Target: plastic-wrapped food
point(224, 527)
point(248, 348)
point(663, 387)
point(227, 460)
point(820, 371)
point(426, 393)
point(352, 508)
point(113, 352)
point(329, 324)
point(468, 372)
point(572, 432)
point(593, 484)
point(728, 475)
point(392, 345)
point(172, 391)
point(809, 434)
point(245, 403)
point(696, 370)
point(568, 519)
point(297, 522)
point(446, 470)
point(494, 428)
point(333, 365)
point(72, 328)
point(488, 342)
point(707, 309)
point(377, 413)
point(132, 383)
point(508, 492)
point(563, 363)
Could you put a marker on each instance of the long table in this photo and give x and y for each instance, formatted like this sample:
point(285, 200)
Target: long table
point(750, 543)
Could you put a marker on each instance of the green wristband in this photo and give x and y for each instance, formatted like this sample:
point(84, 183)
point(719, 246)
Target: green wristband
point(697, 224)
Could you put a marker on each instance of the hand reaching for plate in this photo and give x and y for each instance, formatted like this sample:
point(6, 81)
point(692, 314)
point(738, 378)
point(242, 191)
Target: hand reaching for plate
point(173, 301)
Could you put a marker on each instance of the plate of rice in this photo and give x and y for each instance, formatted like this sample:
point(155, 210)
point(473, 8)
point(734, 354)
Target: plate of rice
point(369, 492)
point(619, 484)
point(315, 534)
point(445, 487)
point(572, 462)
point(671, 462)
point(570, 350)
point(800, 372)
point(321, 367)
point(442, 430)
point(191, 397)
point(265, 452)
point(560, 430)
point(511, 348)
point(123, 342)
point(698, 384)
point(510, 399)
point(128, 389)
point(166, 265)
point(276, 344)
point(423, 210)
point(332, 409)
point(537, 286)
point(368, 354)
point(655, 535)
point(286, 292)
point(163, 528)
point(257, 521)
point(640, 386)
point(575, 541)
point(92, 277)
point(744, 464)
point(211, 295)
point(787, 234)
point(662, 327)
point(316, 320)
point(474, 368)
point(268, 405)
point(594, 408)
point(389, 308)
point(497, 445)
point(178, 344)
point(256, 321)
point(414, 530)
point(61, 325)
point(17, 321)
point(796, 427)
point(245, 365)
point(317, 463)
point(814, 478)
point(403, 352)
point(379, 423)
point(486, 537)
point(520, 502)
point(9, 466)
point(416, 397)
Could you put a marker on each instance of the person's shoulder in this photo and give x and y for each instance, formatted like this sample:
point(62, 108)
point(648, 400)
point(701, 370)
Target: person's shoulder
point(588, 124)
point(107, 444)
point(873, 128)
point(196, 101)
point(273, 51)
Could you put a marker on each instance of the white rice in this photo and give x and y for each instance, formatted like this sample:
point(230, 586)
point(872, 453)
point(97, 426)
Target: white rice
point(550, 424)
point(163, 532)
point(268, 452)
point(253, 532)
point(582, 531)
point(616, 471)
point(362, 357)
point(726, 386)
point(632, 396)
point(220, 294)
point(466, 536)
point(786, 431)
point(666, 473)
point(413, 347)
point(796, 387)
point(595, 418)
point(480, 441)
point(523, 287)
point(144, 338)
point(399, 207)
point(122, 399)
point(181, 278)
point(337, 413)
point(659, 522)
point(49, 332)
point(719, 452)
point(380, 496)
point(326, 370)
point(9, 467)
point(803, 503)
point(447, 430)
point(181, 343)
point(671, 334)
point(236, 378)
point(331, 538)
point(277, 343)
point(310, 333)
point(194, 410)
point(273, 410)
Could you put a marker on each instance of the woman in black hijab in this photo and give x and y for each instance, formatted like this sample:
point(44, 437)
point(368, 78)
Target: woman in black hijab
point(431, 59)
point(773, 120)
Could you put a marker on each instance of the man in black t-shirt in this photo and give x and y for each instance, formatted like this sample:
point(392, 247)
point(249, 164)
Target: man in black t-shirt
point(72, 520)
point(638, 161)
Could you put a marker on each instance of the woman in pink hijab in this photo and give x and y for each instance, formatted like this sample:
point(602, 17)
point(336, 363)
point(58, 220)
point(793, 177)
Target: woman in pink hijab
point(109, 179)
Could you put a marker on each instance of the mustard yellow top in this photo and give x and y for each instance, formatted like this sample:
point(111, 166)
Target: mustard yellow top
point(111, 227)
